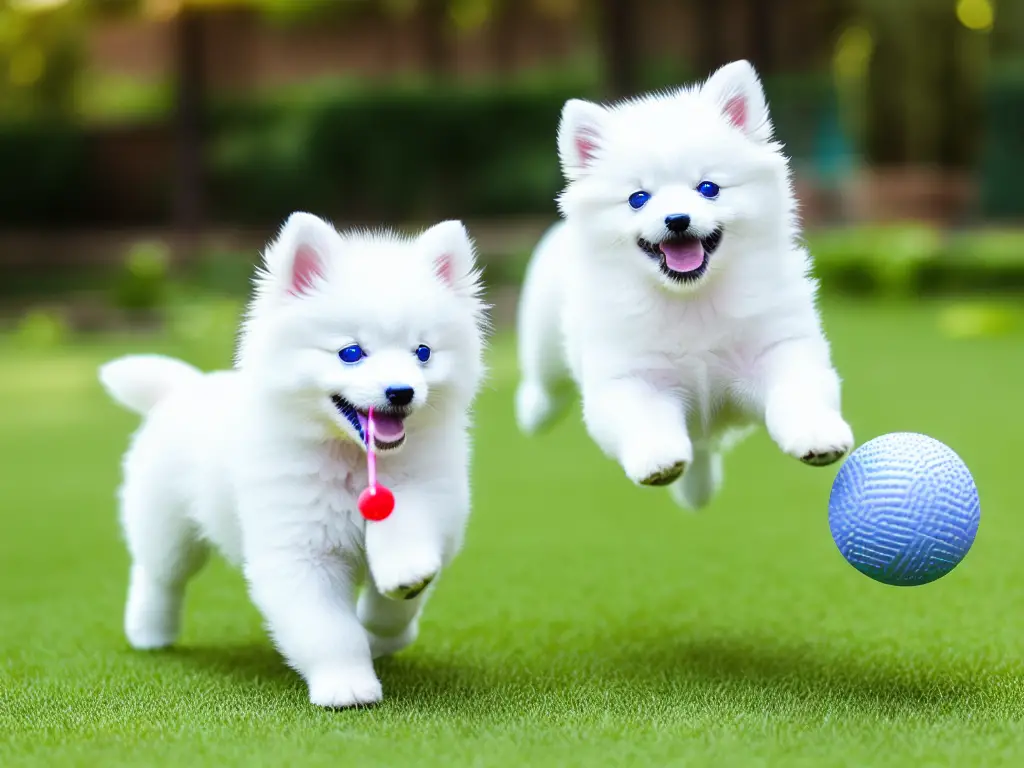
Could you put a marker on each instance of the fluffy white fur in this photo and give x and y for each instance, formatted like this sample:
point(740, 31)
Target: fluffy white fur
point(673, 371)
point(259, 462)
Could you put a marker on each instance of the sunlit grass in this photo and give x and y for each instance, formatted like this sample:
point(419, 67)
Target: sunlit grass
point(587, 622)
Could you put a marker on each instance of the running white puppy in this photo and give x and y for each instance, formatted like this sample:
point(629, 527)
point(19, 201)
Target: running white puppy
point(266, 462)
point(675, 294)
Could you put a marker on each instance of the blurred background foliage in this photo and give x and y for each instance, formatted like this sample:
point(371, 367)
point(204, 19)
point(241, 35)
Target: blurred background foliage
point(149, 149)
point(195, 122)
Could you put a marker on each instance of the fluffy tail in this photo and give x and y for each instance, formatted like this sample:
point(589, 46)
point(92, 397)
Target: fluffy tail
point(139, 382)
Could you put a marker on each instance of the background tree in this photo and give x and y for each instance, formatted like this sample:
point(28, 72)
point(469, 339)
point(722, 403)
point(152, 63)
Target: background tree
point(924, 89)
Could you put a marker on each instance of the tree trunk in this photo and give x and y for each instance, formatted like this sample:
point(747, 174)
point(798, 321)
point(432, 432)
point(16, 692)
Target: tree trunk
point(188, 129)
point(709, 16)
point(924, 88)
point(436, 42)
point(620, 45)
point(1008, 32)
point(505, 24)
point(761, 35)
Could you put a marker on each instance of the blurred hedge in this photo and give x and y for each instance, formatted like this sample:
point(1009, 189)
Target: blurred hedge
point(402, 152)
point(914, 260)
point(396, 153)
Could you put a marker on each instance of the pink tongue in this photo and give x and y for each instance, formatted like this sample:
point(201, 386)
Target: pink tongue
point(387, 429)
point(683, 256)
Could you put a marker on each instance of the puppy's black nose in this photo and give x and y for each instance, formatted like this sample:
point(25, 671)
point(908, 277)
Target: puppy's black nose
point(399, 395)
point(677, 222)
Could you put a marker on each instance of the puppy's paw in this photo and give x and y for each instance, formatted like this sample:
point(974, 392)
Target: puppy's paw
point(343, 687)
point(818, 438)
point(657, 462)
point(407, 591)
point(403, 578)
point(152, 615)
point(663, 475)
point(143, 638)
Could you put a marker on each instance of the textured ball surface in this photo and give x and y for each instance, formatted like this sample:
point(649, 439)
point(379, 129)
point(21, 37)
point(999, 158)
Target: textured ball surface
point(904, 509)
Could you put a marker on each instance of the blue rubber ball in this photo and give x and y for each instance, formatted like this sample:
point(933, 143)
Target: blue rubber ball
point(904, 509)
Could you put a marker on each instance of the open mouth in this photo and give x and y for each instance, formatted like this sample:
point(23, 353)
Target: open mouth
point(388, 423)
point(683, 258)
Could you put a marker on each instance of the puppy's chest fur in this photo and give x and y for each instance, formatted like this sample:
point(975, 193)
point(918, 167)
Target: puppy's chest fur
point(708, 357)
point(693, 346)
point(337, 472)
point(311, 494)
point(336, 477)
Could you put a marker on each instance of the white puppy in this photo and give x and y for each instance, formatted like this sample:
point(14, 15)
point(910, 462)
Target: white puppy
point(266, 462)
point(675, 295)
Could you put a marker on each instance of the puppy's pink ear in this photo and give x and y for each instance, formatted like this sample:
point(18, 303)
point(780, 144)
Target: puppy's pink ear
point(307, 267)
point(736, 90)
point(297, 260)
point(580, 135)
point(736, 110)
point(450, 250)
point(443, 269)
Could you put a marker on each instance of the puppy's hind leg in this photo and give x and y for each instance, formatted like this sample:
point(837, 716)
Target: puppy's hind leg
point(701, 481)
point(166, 552)
point(391, 625)
point(545, 389)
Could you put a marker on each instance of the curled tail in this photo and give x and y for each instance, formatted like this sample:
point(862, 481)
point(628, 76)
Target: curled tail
point(139, 382)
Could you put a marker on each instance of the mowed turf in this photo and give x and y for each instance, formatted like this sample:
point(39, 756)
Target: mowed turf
point(587, 622)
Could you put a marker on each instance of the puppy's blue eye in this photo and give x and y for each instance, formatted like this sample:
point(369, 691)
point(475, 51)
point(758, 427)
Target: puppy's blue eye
point(708, 189)
point(352, 354)
point(423, 353)
point(639, 199)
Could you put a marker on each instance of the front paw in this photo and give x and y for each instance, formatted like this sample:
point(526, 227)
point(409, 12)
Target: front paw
point(343, 687)
point(657, 462)
point(404, 577)
point(817, 438)
point(410, 589)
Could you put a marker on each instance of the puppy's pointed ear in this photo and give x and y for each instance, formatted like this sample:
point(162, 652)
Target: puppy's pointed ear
point(450, 250)
point(736, 90)
point(580, 136)
point(297, 259)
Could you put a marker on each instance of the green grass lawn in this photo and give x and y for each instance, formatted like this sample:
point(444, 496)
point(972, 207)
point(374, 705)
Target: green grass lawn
point(587, 621)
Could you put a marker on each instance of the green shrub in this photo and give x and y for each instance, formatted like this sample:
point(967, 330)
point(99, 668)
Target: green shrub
point(416, 152)
point(409, 150)
point(410, 153)
point(917, 259)
point(142, 284)
point(41, 328)
point(876, 259)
